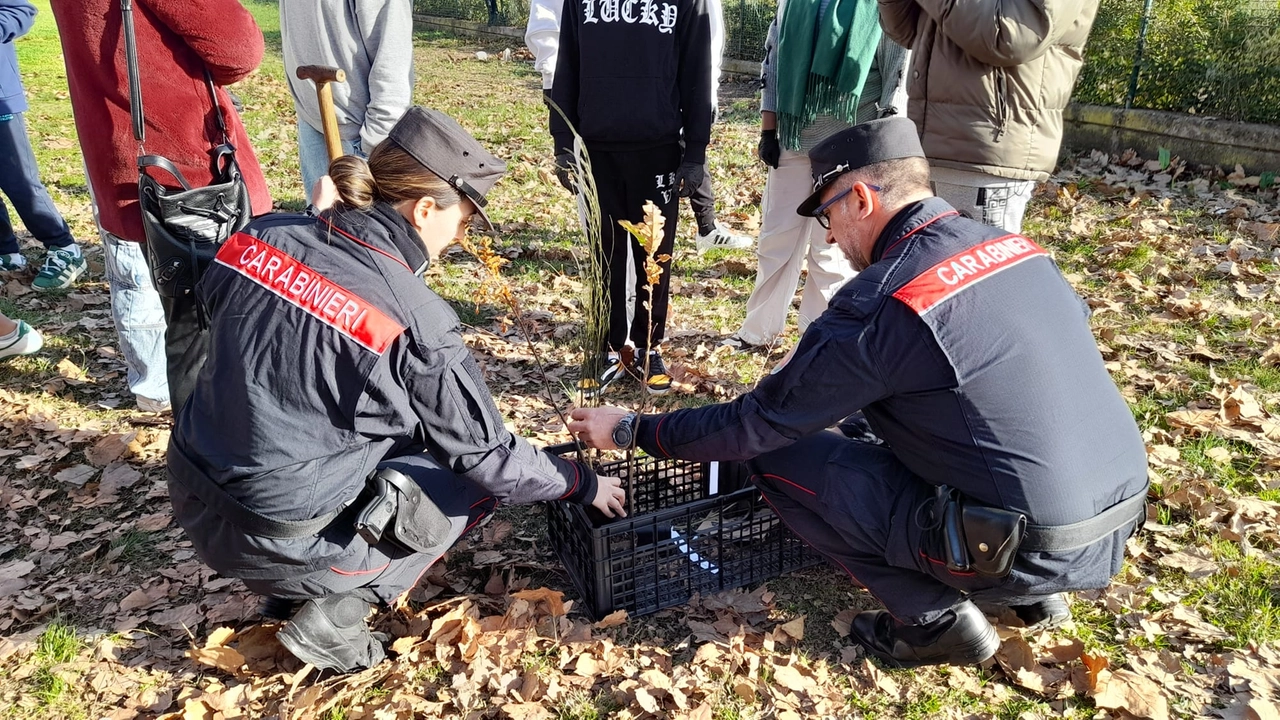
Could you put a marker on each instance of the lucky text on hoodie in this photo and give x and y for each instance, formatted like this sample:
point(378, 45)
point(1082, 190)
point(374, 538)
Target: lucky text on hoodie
point(644, 12)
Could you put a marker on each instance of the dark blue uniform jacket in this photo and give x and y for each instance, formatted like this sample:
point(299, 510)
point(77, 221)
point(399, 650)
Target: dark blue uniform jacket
point(970, 356)
point(329, 354)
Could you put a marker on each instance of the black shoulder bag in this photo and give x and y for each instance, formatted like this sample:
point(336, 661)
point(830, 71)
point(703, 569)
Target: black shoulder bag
point(184, 227)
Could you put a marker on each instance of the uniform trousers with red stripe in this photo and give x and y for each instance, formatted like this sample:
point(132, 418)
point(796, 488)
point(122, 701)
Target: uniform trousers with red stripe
point(852, 500)
point(384, 572)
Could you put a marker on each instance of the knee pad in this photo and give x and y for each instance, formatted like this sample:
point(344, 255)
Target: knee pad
point(331, 633)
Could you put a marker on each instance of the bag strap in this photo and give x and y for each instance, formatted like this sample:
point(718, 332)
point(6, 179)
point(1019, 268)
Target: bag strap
point(165, 164)
point(135, 81)
point(135, 86)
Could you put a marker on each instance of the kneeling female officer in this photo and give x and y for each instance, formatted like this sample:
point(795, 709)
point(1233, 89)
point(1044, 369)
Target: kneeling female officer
point(340, 437)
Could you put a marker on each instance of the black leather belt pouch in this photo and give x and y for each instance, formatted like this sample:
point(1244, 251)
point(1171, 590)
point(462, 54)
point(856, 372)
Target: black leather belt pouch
point(400, 512)
point(992, 537)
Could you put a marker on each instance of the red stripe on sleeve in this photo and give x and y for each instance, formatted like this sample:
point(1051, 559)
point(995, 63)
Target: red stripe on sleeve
point(310, 291)
point(966, 269)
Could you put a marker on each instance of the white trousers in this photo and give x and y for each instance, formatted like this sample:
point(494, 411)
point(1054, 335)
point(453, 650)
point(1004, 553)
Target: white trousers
point(786, 241)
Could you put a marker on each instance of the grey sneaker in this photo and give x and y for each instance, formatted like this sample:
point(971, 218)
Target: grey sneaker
point(722, 239)
point(12, 262)
point(59, 270)
point(26, 341)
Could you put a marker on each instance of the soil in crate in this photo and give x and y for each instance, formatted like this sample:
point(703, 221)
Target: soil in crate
point(694, 528)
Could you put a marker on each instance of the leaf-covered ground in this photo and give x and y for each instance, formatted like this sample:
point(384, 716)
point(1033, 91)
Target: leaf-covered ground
point(105, 610)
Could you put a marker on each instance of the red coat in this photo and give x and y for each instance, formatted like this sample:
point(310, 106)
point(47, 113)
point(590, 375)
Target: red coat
point(176, 40)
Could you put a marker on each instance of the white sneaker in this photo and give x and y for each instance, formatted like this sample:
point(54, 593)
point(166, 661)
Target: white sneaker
point(147, 405)
point(24, 341)
point(722, 239)
point(736, 343)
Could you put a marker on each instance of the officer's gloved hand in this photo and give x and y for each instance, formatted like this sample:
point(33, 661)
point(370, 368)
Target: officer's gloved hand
point(769, 150)
point(564, 171)
point(688, 178)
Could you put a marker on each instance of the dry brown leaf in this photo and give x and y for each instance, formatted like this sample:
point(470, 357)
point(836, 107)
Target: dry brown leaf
point(702, 712)
point(745, 690)
point(109, 449)
point(1193, 565)
point(1134, 694)
point(791, 679)
point(646, 700)
point(553, 598)
point(843, 621)
point(794, 628)
point(527, 711)
point(228, 660)
point(613, 619)
point(220, 637)
point(77, 475)
point(1261, 709)
point(196, 710)
point(587, 666)
point(1095, 665)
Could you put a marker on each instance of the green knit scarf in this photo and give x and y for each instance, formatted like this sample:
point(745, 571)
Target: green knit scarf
point(822, 73)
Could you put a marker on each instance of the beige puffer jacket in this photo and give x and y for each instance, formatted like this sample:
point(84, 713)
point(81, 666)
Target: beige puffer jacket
point(989, 79)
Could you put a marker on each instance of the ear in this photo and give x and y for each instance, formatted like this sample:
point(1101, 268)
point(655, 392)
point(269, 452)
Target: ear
point(422, 210)
point(867, 199)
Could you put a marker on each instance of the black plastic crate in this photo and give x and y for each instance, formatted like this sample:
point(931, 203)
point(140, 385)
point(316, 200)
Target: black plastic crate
point(695, 528)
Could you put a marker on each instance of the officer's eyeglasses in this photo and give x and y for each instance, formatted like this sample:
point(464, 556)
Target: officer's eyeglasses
point(821, 212)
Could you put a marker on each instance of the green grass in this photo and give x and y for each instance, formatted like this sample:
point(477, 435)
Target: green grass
point(137, 548)
point(1242, 599)
point(581, 705)
point(58, 644)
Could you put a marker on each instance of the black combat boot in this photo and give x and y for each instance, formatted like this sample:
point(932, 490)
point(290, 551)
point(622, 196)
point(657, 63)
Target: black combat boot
point(330, 633)
point(962, 636)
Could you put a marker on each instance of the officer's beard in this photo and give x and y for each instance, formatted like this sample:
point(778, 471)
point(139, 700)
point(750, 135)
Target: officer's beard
point(857, 259)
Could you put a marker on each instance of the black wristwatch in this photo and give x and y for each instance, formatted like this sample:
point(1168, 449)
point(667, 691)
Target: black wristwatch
point(625, 431)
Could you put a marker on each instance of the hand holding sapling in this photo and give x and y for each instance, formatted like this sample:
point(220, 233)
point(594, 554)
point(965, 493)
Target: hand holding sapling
point(594, 426)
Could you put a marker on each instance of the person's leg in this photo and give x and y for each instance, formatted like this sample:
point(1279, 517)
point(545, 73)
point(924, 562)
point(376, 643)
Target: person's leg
point(313, 154)
point(329, 630)
point(20, 181)
point(863, 494)
point(615, 243)
point(139, 319)
point(780, 249)
point(703, 204)
point(18, 338)
point(313, 158)
point(865, 509)
point(828, 271)
point(652, 180)
point(9, 243)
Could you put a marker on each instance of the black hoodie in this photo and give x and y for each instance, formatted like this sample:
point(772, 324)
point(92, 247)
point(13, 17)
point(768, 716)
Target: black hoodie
point(633, 74)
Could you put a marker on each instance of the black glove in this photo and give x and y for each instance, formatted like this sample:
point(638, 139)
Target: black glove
point(564, 171)
point(769, 150)
point(688, 178)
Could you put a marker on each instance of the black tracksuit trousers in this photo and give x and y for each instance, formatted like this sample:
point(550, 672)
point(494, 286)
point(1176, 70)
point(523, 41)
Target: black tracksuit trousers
point(625, 180)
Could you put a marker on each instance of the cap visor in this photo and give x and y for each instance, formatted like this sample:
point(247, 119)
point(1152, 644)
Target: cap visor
point(810, 203)
point(485, 222)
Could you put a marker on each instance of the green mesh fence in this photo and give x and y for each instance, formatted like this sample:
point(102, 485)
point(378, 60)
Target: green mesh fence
point(1219, 58)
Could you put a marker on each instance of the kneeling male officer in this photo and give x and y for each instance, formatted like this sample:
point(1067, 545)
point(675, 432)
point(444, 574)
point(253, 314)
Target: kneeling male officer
point(1004, 467)
point(340, 437)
